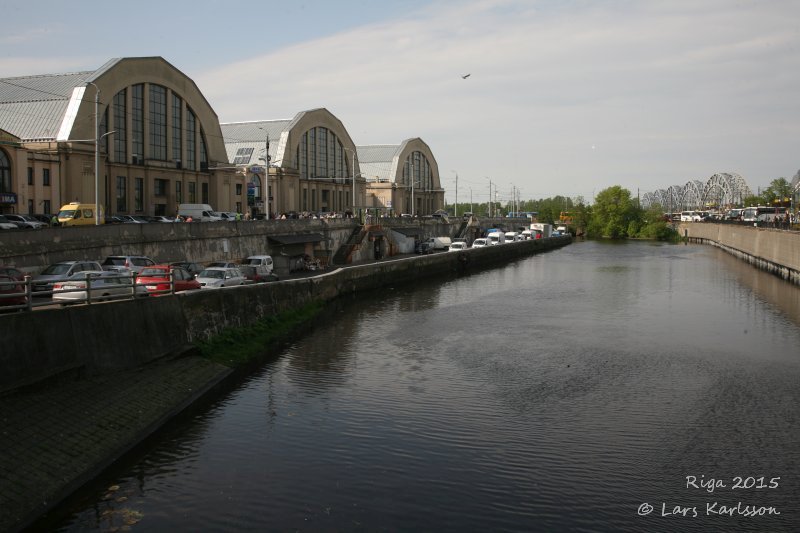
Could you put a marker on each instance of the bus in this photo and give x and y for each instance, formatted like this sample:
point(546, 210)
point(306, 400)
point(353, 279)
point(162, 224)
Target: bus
point(762, 213)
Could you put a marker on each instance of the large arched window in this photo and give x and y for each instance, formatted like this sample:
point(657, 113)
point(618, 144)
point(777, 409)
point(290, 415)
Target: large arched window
point(158, 122)
point(416, 166)
point(120, 114)
point(5, 172)
point(320, 154)
point(187, 139)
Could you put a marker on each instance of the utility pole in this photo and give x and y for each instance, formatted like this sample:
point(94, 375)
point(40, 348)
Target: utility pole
point(455, 208)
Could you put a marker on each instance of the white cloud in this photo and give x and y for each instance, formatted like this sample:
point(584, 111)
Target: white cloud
point(668, 92)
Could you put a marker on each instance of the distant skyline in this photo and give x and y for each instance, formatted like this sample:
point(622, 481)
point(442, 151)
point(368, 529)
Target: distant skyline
point(562, 98)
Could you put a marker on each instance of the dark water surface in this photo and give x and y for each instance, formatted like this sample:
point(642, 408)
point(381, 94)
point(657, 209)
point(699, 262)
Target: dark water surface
point(564, 392)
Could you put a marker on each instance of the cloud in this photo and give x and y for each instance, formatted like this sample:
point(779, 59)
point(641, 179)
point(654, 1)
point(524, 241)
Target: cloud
point(666, 91)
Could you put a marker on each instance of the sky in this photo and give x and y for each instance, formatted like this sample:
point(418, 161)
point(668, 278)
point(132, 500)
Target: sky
point(563, 97)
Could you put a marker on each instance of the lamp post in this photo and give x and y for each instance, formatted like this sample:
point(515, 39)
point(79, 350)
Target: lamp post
point(490, 196)
point(455, 207)
point(267, 158)
point(96, 152)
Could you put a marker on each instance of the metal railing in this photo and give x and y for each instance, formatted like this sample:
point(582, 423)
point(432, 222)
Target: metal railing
point(108, 286)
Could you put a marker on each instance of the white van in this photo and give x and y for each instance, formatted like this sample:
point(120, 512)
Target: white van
point(512, 236)
point(198, 212)
point(496, 238)
point(264, 260)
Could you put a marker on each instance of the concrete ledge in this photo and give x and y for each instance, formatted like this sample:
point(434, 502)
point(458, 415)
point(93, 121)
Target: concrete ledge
point(776, 251)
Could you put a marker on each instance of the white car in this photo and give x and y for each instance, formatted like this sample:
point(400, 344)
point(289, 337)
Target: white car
point(458, 246)
point(216, 277)
point(96, 286)
point(480, 243)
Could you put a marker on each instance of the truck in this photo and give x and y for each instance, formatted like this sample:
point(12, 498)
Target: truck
point(78, 214)
point(260, 260)
point(440, 243)
point(198, 212)
point(546, 230)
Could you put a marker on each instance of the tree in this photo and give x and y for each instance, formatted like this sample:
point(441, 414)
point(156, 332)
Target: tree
point(780, 191)
point(613, 212)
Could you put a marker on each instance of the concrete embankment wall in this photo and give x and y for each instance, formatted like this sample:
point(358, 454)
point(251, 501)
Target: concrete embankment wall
point(205, 242)
point(116, 335)
point(773, 250)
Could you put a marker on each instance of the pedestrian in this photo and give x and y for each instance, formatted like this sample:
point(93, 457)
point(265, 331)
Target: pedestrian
point(238, 217)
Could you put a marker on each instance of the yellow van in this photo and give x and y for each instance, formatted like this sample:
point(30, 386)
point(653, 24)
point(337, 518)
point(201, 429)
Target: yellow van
point(78, 214)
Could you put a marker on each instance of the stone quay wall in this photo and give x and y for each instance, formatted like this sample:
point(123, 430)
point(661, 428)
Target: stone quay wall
point(109, 336)
point(32, 250)
point(776, 251)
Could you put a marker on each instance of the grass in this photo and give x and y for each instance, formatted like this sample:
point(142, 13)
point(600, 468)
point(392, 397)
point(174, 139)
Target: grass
point(236, 346)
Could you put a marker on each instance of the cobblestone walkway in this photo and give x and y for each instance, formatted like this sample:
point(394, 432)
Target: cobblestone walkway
point(54, 440)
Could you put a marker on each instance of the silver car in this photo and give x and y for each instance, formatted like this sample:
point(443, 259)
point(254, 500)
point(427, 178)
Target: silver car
point(43, 282)
point(216, 277)
point(84, 287)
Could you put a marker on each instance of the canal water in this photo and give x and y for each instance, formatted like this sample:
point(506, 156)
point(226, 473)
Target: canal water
point(599, 387)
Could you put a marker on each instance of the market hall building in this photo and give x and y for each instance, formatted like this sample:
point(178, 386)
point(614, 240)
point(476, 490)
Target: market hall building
point(159, 143)
point(313, 166)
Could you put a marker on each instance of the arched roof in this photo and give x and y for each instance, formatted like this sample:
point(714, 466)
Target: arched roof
point(384, 162)
point(284, 136)
point(57, 107)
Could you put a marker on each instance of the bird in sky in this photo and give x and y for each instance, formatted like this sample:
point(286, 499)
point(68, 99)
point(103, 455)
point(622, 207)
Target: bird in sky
point(465, 76)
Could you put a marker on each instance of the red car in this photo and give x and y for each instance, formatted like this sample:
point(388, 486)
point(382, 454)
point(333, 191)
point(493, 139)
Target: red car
point(156, 279)
point(11, 293)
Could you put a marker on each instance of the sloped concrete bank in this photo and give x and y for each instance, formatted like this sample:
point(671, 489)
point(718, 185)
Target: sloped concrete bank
point(773, 250)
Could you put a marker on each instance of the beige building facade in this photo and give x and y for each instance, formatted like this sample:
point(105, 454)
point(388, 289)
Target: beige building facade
point(403, 178)
point(158, 142)
point(139, 135)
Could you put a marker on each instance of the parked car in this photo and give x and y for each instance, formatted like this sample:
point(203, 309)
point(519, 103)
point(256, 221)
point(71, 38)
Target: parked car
point(458, 246)
point(222, 264)
point(132, 262)
point(96, 286)
point(423, 247)
point(257, 273)
point(215, 277)
point(133, 219)
point(161, 218)
point(12, 291)
point(44, 281)
point(480, 243)
point(156, 279)
point(193, 268)
point(229, 216)
point(26, 221)
point(7, 224)
point(44, 217)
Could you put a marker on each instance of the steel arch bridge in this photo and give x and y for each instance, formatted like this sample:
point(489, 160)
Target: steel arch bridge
point(721, 189)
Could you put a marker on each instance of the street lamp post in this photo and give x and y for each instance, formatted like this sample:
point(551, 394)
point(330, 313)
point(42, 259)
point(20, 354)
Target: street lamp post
point(455, 207)
point(490, 197)
point(96, 152)
point(267, 158)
